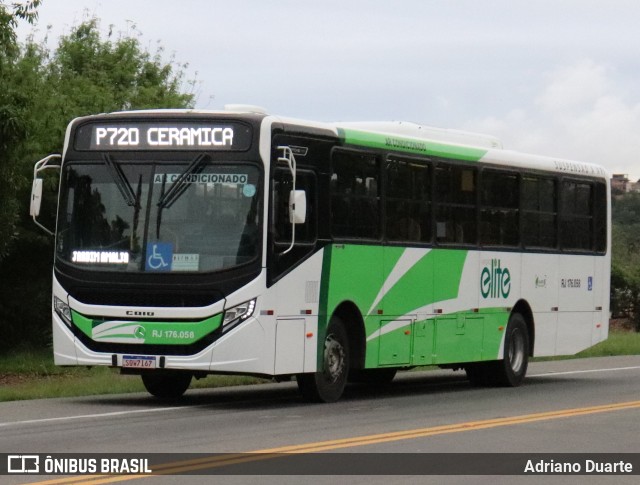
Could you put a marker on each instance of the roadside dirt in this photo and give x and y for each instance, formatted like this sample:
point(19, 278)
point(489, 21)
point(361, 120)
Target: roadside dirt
point(13, 379)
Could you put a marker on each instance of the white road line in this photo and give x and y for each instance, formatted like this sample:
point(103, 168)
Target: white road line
point(99, 415)
point(583, 371)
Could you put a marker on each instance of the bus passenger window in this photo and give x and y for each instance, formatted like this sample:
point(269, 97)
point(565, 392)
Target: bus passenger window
point(456, 206)
point(408, 200)
point(355, 198)
point(539, 212)
point(499, 211)
point(576, 217)
point(600, 217)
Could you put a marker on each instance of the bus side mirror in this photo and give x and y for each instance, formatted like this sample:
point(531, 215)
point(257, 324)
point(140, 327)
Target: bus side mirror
point(36, 198)
point(36, 187)
point(297, 206)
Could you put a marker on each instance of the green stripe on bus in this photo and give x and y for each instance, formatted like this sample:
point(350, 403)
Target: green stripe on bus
point(146, 332)
point(392, 288)
point(410, 145)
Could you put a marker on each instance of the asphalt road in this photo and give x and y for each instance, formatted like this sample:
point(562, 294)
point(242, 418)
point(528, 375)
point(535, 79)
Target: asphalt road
point(572, 406)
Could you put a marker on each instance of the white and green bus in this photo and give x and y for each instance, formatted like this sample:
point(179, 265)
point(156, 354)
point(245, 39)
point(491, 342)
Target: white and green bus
point(190, 243)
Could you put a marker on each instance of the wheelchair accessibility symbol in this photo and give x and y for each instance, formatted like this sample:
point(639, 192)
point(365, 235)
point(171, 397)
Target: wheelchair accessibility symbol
point(159, 257)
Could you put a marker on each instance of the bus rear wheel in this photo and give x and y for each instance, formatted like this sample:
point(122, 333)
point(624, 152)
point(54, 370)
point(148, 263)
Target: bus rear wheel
point(327, 385)
point(166, 384)
point(511, 370)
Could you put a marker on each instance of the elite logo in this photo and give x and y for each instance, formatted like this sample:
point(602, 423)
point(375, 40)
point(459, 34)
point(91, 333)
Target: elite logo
point(495, 281)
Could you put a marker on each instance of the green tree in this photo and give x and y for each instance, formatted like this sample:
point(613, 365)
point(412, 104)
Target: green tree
point(10, 14)
point(12, 115)
point(87, 73)
point(625, 264)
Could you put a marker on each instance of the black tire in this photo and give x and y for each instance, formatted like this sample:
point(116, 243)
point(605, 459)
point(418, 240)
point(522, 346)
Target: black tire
point(511, 370)
point(166, 384)
point(327, 385)
point(372, 376)
point(479, 373)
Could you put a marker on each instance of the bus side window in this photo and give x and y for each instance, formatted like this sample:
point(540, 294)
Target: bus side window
point(539, 212)
point(600, 217)
point(355, 196)
point(408, 200)
point(499, 208)
point(456, 206)
point(576, 216)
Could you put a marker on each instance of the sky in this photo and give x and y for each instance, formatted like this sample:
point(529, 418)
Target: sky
point(552, 77)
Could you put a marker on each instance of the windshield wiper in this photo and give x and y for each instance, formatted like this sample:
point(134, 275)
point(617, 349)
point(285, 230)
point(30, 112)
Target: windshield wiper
point(182, 182)
point(121, 181)
point(178, 188)
point(136, 212)
point(159, 216)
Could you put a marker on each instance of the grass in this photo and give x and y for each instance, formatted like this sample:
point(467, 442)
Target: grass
point(31, 374)
point(619, 343)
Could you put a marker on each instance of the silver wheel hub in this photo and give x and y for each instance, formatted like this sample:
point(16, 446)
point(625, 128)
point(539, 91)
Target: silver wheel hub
point(516, 351)
point(334, 359)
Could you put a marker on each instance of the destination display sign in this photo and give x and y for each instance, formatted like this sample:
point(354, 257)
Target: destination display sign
point(164, 135)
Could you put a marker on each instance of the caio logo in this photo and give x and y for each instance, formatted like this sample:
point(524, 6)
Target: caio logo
point(495, 281)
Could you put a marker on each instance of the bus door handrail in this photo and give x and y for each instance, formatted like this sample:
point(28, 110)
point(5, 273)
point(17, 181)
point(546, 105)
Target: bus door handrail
point(290, 160)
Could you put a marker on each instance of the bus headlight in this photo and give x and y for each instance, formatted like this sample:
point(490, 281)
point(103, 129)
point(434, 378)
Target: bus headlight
point(63, 310)
point(237, 314)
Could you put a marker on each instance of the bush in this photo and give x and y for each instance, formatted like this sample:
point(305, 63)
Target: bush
point(25, 295)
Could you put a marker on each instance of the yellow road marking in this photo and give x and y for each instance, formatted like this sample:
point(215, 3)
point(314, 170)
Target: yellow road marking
point(314, 447)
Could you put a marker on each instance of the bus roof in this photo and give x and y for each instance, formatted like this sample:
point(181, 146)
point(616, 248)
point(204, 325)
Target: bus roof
point(414, 130)
point(402, 136)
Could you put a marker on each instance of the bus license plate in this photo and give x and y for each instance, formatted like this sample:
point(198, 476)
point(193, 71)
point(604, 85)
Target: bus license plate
point(139, 361)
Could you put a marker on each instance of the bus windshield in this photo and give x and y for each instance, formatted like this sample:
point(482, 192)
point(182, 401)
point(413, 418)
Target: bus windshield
point(130, 216)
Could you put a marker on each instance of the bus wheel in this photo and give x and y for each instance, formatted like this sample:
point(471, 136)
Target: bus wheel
point(372, 376)
point(511, 370)
point(166, 384)
point(328, 384)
